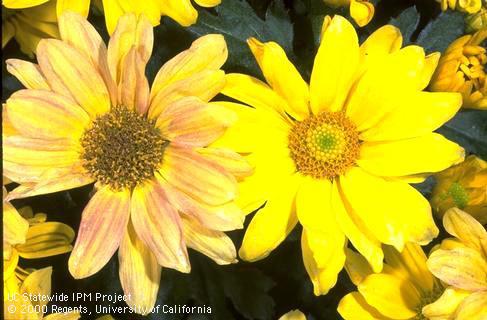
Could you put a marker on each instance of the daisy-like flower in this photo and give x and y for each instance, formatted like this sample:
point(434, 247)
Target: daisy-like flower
point(461, 263)
point(89, 116)
point(463, 186)
point(362, 11)
point(28, 21)
point(339, 155)
point(462, 69)
point(182, 11)
point(403, 290)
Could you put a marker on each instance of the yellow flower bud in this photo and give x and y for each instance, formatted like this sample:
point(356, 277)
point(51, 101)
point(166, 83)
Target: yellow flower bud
point(477, 20)
point(463, 186)
point(462, 69)
point(469, 6)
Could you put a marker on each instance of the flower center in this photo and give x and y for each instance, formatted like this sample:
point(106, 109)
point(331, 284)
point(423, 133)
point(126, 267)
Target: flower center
point(427, 299)
point(122, 148)
point(458, 194)
point(324, 146)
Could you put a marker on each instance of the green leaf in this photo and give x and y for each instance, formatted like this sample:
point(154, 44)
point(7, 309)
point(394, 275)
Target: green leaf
point(440, 32)
point(407, 21)
point(236, 20)
point(469, 129)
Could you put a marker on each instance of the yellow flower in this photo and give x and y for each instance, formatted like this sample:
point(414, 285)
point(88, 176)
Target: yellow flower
point(182, 11)
point(463, 186)
point(468, 6)
point(28, 22)
point(461, 263)
point(338, 155)
point(477, 20)
point(293, 315)
point(159, 188)
point(362, 11)
point(461, 69)
point(403, 290)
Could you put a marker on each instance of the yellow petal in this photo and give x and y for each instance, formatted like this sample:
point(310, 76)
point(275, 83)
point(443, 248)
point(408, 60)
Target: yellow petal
point(38, 283)
point(73, 315)
point(46, 115)
point(473, 307)
point(103, 225)
point(361, 11)
point(69, 73)
point(139, 272)
point(324, 257)
point(462, 268)
point(431, 62)
point(354, 227)
point(198, 177)
point(279, 212)
point(79, 6)
point(158, 225)
point(208, 52)
point(282, 76)
point(384, 86)
point(293, 315)
point(203, 85)
point(193, 123)
point(357, 267)
point(464, 227)
point(208, 3)
point(392, 296)
point(78, 32)
point(313, 205)
point(8, 32)
point(14, 225)
point(427, 110)
point(28, 73)
point(334, 66)
point(393, 211)
point(428, 153)
point(213, 244)
point(353, 306)
point(182, 11)
point(21, 4)
point(46, 239)
point(446, 304)
point(130, 32)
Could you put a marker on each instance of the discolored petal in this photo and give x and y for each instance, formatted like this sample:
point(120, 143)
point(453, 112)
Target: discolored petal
point(446, 304)
point(103, 225)
point(231, 161)
point(28, 73)
point(133, 87)
point(464, 227)
point(473, 307)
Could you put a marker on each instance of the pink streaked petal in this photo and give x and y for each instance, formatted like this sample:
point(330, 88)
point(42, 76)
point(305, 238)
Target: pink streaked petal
point(28, 73)
point(158, 225)
point(78, 32)
point(43, 114)
point(197, 176)
point(224, 217)
point(139, 272)
point(194, 123)
point(103, 225)
point(230, 160)
point(204, 85)
point(133, 88)
point(70, 73)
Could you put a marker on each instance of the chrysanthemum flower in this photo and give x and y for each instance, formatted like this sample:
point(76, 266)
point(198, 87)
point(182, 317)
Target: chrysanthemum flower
point(463, 186)
point(403, 290)
point(461, 263)
point(362, 11)
point(462, 69)
point(182, 11)
point(338, 155)
point(89, 116)
point(28, 22)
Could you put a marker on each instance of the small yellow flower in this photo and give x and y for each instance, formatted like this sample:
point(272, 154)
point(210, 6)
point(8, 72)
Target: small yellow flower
point(338, 155)
point(159, 187)
point(402, 290)
point(461, 263)
point(477, 21)
point(463, 186)
point(293, 315)
point(462, 69)
point(362, 11)
point(28, 22)
point(468, 6)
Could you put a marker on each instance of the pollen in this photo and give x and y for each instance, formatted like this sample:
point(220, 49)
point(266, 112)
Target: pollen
point(122, 148)
point(324, 146)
